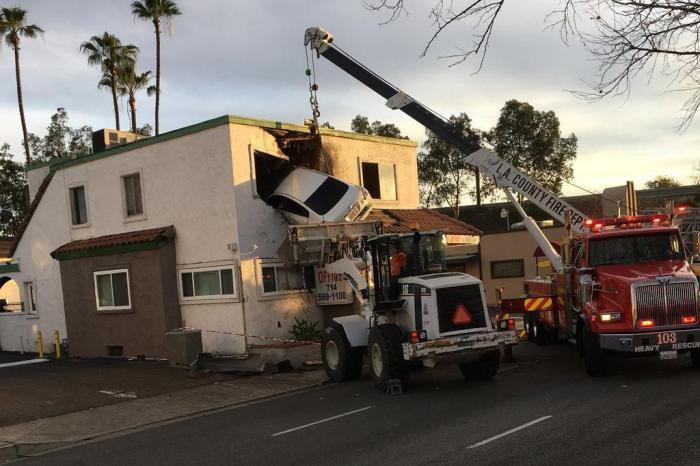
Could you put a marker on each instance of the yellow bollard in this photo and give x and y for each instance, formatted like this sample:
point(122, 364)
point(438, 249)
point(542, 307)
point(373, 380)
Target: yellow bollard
point(40, 343)
point(57, 344)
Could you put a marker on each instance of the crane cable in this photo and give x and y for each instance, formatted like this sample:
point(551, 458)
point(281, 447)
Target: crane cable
point(313, 87)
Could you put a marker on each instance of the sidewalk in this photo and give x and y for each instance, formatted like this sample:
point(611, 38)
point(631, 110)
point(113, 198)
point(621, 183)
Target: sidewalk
point(45, 434)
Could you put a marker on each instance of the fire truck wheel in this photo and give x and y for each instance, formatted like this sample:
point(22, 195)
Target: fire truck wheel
point(341, 361)
point(529, 327)
point(385, 355)
point(540, 333)
point(484, 368)
point(594, 357)
point(695, 357)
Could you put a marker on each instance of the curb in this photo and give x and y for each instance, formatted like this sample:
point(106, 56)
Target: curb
point(11, 451)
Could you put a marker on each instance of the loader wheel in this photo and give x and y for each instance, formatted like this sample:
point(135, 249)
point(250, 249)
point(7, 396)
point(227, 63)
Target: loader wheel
point(341, 361)
point(695, 357)
point(484, 368)
point(594, 357)
point(385, 356)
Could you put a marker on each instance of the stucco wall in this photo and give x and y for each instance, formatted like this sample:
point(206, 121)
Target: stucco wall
point(507, 246)
point(346, 154)
point(140, 330)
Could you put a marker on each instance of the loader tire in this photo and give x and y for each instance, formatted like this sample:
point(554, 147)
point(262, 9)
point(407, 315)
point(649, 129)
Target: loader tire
point(385, 356)
point(341, 361)
point(483, 369)
point(594, 356)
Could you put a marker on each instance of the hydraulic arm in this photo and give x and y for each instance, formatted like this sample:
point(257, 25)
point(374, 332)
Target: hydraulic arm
point(504, 174)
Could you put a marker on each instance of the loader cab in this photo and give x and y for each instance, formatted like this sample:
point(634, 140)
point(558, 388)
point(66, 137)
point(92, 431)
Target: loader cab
point(403, 255)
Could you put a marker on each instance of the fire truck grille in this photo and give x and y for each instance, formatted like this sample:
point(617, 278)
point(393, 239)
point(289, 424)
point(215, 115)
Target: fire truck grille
point(666, 304)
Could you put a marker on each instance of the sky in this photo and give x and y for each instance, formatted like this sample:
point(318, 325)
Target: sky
point(247, 59)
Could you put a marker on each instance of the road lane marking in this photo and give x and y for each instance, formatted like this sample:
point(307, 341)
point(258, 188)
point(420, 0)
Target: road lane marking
point(510, 431)
point(322, 421)
point(22, 363)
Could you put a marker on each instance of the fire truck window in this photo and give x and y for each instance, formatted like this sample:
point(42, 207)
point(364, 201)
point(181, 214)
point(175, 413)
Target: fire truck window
point(632, 249)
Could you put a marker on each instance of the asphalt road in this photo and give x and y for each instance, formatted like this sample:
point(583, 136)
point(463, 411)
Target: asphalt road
point(543, 409)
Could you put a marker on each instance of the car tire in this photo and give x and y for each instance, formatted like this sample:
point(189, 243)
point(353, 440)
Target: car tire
point(695, 357)
point(483, 369)
point(385, 356)
point(341, 361)
point(594, 356)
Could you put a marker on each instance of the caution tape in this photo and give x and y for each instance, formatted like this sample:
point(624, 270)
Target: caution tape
point(236, 334)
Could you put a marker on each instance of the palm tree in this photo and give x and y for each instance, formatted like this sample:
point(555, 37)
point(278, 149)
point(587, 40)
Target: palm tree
point(107, 52)
point(129, 83)
point(12, 27)
point(156, 11)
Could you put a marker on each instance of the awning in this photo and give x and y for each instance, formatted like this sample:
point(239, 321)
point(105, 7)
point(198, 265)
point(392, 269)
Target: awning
point(120, 243)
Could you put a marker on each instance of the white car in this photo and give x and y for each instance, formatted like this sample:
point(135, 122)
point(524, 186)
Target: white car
point(307, 196)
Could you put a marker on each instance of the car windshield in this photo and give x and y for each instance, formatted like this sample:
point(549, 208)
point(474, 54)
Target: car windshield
point(431, 253)
point(635, 248)
point(327, 196)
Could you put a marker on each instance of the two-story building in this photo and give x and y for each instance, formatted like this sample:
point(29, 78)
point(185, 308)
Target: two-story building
point(126, 244)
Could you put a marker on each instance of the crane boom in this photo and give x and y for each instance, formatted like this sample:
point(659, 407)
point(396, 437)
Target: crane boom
point(504, 174)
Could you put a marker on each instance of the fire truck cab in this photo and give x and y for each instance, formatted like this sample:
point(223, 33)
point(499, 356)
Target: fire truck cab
point(627, 287)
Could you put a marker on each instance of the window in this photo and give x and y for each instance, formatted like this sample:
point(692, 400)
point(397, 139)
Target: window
point(379, 179)
point(634, 249)
point(31, 298)
point(327, 196)
point(133, 204)
point(213, 282)
point(78, 205)
point(287, 205)
point(276, 278)
point(508, 269)
point(112, 290)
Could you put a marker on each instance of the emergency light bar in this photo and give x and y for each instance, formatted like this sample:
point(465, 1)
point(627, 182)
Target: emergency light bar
point(630, 221)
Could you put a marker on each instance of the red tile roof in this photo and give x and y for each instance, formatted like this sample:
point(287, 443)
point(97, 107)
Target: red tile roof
point(404, 220)
point(119, 239)
point(30, 212)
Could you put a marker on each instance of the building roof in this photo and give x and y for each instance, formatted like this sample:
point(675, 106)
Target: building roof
point(487, 217)
point(114, 244)
point(30, 212)
point(405, 221)
point(58, 164)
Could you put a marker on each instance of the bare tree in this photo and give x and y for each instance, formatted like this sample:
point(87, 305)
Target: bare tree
point(627, 38)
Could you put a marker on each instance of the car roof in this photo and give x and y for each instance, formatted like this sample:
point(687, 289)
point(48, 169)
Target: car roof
point(301, 183)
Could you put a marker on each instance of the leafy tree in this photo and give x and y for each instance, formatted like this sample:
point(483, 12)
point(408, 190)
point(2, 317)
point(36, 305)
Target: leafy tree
point(61, 141)
point(14, 194)
point(361, 124)
point(145, 130)
point(662, 181)
point(156, 11)
point(624, 37)
point(13, 26)
point(107, 52)
point(531, 141)
point(443, 175)
point(695, 177)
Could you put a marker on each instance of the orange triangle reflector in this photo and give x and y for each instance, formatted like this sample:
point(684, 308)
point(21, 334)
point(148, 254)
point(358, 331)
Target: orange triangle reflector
point(461, 315)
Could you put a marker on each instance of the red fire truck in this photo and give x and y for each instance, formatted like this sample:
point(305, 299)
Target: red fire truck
point(626, 286)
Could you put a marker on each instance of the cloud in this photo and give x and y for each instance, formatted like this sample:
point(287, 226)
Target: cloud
point(247, 58)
